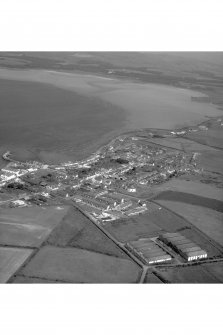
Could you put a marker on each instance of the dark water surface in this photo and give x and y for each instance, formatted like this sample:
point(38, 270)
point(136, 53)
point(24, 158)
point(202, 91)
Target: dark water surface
point(56, 116)
point(47, 122)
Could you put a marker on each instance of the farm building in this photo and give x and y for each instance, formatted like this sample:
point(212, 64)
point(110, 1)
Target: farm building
point(185, 247)
point(148, 250)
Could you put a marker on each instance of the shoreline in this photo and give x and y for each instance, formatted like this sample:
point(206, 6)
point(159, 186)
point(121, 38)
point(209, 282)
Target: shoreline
point(6, 156)
point(89, 88)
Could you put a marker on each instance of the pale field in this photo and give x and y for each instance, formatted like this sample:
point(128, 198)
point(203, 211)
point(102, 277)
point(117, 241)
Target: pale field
point(28, 226)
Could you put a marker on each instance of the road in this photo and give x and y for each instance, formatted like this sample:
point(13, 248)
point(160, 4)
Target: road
point(118, 244)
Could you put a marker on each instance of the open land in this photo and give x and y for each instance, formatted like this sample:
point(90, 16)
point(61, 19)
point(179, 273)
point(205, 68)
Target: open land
point(76, 211)
point(207, 220)
point(187, 275)
point(11, 259)
point(80, 266)
point(28, 227)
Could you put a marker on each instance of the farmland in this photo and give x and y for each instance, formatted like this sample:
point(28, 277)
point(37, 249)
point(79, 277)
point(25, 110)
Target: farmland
point(100, 161)
point(207, 220)
point(76, 230)
point(11, 259)
point(80, 266)
point(28, 227)
point(187, 275)
point(190, 187)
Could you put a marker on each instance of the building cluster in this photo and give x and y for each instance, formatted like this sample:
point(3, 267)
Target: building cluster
point(106, 206)
point(182, 245)
point(149, 251)
point(131, 162)
point(123, 166)
point(165, 248)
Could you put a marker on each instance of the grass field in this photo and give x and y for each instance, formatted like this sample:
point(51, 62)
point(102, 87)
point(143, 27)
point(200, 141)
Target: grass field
point(28, 226)
point(205, 184)
point(10, 261)
point(211, 161)
point(167, 221)
point(215, 269)
point(205, 219)
point(145, 225)
point(192, 199)
point(133, 228)
point(151, 278)
point(208, 178)
point(191, 187)
point(211, 137)
point(80, 266)
point(188, 274)
point(30, 280)
point(76, 230)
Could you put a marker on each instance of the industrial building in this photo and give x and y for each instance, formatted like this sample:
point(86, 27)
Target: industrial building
point(148, 250)
point(185, 247)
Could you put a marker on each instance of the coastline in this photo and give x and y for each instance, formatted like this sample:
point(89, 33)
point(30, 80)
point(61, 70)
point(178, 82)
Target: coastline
point(112, 92)
point(6, 158)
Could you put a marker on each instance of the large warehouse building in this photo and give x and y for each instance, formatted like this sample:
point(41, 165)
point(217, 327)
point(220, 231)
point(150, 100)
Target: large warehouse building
point(185, 247)
point(149, 251)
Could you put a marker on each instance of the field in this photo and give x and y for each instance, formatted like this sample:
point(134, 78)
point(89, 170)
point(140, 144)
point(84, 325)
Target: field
point(151, 278)
point(145, 225)
point(133, 228)
point(192, 199)
point(216, 269)
point(205, 184)
point(174, 63)
point(76, 230)
point(30, 280)
point(211, 161)
point(207, 178)
point(80, 266)
point(205, 219)
point(167, 221)
point(211, 137)
point(28, 226)
point(191, 187)
point(187, 274)
point(10, 260)
point(179, 143)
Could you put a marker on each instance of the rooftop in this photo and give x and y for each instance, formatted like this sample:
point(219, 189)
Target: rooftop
point(185, 247)
point(149, 250)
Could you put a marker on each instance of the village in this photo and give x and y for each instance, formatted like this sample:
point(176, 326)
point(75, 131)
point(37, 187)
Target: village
point(105, 185)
